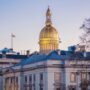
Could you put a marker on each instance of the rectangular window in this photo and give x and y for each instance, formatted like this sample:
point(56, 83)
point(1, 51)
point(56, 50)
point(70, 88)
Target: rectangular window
point(7, 80)
point(30, 78)
point(41, 81)
point(34, 79)
point(30, 82)
point(25, 79)
point(16, 79)
point(41, 76)
point(89, 75)
point(57, 76)
point(25, 82)
point(72, 77)
point(11, 79)
point(83, 76)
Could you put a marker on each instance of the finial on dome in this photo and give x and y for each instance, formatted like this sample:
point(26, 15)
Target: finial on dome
point(48, 11)
point(48, 17)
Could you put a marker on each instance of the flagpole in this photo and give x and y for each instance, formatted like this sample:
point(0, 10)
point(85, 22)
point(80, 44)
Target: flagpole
point(12, 36)
point(11, 42)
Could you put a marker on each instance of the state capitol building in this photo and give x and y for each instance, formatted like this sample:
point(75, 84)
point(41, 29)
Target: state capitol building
point(48, 69)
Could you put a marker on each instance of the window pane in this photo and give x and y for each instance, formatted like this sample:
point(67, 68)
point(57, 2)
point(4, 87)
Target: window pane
point(34, 78)
point(41, 76)
point(57, 76)
point(30, 78)
point(25, 78)
point(83, 76)
point(17, 79)
point(73, 77)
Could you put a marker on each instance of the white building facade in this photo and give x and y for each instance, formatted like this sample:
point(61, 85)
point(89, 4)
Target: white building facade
point(51, 72)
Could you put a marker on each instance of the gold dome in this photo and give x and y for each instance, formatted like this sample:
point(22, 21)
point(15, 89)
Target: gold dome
point(49, 32)
point(48, 38)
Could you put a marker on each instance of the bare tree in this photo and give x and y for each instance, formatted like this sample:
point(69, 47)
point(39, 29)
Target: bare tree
point(85, 38)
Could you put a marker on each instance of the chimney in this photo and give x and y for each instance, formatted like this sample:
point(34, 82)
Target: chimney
point(27, 53)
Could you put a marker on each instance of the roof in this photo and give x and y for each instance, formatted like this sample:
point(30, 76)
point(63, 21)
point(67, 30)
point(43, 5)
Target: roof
point(10, 54)
point(55, 55)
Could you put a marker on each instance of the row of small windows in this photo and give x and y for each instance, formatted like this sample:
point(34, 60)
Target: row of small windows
point(83, 76)
point(34, 77)
point(30, 80)
point(31, 84)
point(11, 79)
point(57, 78)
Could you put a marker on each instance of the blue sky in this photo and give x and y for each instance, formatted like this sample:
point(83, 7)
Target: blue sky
point(26, 18)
